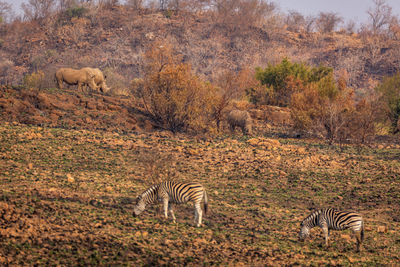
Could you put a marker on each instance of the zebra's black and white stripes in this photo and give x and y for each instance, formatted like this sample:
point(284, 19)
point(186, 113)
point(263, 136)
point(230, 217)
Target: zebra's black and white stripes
point(331, 219)
point(169, 193)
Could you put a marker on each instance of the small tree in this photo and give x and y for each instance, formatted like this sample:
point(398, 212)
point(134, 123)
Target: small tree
point(380, 15)
point(389, 91)
point(276, 78)
point(328, 21)
point(295, 21)
point(34, 80)
point(67, 4)
point(231, 86)
point(174, 98)
point(38, 9)
point(322, 107)
point(5, 12)
point(243, 13)
point(136, 4)
point(361, 123)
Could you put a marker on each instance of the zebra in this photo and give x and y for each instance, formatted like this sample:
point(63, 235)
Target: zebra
point(332, 219)
point(170, 192)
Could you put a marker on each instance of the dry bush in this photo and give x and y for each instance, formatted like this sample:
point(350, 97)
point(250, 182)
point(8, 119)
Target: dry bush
point(394, 29)
point(197, 5)
point(327, 21)
point(361, 122)
point(107, 4)
point(323, 107)
point(379, 60)
point(67, 4)
point(380, 16)
point(72, 34)
point(6, 71)
point(350, 27)
point(119, 84)
point(174, 98)
point(232, 86)
point(6, 13)
point(38, 9)
point(48, 80)
point(243, 13)
point(34, 80)
point(296, 22)
point(135, 4)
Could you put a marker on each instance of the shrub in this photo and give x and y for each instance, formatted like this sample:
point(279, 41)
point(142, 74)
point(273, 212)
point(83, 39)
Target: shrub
point(328, 21)
point(76, 12)
point(6, 67)
point(175, 99)
point(38, 9)
point(389, 91)
point(322, 107)
point(232, 86)
point(380, 16)
point(34, 80)
point(6, 12)
point(239, 14)
point(361, 123)
point(277, 77)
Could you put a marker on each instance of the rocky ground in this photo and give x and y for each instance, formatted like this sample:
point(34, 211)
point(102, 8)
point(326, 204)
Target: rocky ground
point(67, 197)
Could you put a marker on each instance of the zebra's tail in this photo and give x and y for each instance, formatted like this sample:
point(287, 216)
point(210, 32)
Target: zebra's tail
point(362, 232)
point(205, 202)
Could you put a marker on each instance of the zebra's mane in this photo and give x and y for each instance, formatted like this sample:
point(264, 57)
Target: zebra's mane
point(151, 191)
point(312, 216)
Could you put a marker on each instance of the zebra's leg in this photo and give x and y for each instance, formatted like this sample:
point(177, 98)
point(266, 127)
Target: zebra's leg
point(358, 236)
point(165, 202)
point(172, 212)
point(198, 213)
point(326, 234)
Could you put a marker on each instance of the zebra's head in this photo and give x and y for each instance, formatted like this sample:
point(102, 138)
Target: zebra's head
point(139, 207)
point(304, 232)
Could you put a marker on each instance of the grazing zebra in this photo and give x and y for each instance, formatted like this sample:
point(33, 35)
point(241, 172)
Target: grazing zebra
point(331, 219)
point(171, 192)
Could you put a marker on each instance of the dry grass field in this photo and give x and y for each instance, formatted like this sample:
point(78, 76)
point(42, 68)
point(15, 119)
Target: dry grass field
point(67, 198)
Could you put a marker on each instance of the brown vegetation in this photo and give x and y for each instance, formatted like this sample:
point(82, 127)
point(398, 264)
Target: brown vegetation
point(116, 38)
point(171, 95)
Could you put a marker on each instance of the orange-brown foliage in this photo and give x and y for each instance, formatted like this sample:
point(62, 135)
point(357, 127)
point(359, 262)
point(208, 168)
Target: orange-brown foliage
point(323, 108)
point(174, 97)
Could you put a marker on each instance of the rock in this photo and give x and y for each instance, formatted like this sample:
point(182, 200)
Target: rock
point(109, 189)
point(381, 229)
point(70, 179)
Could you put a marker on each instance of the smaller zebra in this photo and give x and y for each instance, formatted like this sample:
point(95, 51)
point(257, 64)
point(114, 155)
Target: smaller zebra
point(331, 219)
point(169, 193)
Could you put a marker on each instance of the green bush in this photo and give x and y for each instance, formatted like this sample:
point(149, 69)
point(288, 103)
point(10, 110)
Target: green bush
point(389, 91)
point(76, 12)
point(276, 78)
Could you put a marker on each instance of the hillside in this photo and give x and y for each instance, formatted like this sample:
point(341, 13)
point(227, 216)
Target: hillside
point(115, 39)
